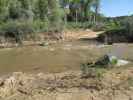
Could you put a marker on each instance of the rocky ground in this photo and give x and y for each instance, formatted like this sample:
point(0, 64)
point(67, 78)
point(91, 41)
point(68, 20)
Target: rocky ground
point(113, 85)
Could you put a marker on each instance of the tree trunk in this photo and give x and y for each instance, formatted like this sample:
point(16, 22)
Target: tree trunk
point(65, 19)
point(90, 19)
point(94, 19)
point(76, 17)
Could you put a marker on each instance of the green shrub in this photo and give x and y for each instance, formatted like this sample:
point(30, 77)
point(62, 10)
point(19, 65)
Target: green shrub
point(78, 25)
point(16, 30)
point(90, 70)
point(99, 27)
point(127, 24)
point(41, 26)
point(114, 62)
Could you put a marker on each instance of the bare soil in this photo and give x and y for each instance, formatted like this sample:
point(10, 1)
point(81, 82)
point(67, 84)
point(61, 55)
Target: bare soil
point(115, 84)
point(80, 34)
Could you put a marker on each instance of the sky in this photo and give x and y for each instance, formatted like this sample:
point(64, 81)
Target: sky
point(113, 8)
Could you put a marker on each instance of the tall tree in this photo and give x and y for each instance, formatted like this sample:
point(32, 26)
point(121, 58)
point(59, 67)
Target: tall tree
point(3, 10)
point(86, 5)
point(96, 6)
point(54, 14)
point(41, 9)
point(15, 10)
point(26, 7)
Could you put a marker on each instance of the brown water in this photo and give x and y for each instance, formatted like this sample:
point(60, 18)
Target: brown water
point(54, 58)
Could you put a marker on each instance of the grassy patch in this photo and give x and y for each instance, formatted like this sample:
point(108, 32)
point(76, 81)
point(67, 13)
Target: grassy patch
point(92, 71)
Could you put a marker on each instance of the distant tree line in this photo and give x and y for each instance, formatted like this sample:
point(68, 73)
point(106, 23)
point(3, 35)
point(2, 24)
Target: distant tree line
point(50, 11)
point(30, 10)
point(19, 18)
point(81, 10)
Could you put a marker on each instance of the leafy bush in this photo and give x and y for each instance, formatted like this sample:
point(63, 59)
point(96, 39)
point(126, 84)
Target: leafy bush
point(91, 70)
point(73, 25)
point(99, 27)
point(16, 30)
point(127, 24)
point(41, 26)
point(114, 62)
point(116, 36)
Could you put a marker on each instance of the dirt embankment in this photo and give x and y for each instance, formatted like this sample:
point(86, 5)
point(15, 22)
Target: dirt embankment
point(79, 34)
point(40, 38)
point(114, 85)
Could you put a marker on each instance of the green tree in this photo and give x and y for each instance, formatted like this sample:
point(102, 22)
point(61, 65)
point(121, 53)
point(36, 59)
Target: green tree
point(41, 9)
point(3, 10)
point(55, 15)
point(96, 6)
point(15, 10)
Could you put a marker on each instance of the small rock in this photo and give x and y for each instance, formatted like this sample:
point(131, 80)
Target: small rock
point(122, 62)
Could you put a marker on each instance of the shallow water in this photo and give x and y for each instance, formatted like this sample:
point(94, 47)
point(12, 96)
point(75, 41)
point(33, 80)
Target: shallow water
point(55, 57)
